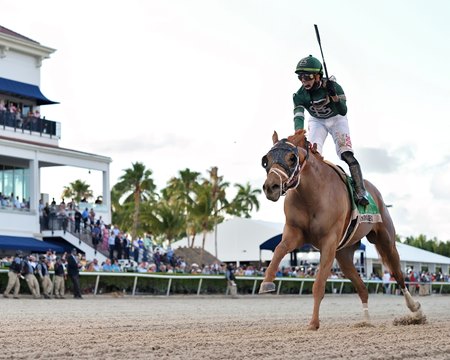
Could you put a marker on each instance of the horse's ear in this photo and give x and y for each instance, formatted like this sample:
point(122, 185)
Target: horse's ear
point(275, 137)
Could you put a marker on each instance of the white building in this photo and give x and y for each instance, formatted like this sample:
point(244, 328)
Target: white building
point(238, 240)
point(29, 143)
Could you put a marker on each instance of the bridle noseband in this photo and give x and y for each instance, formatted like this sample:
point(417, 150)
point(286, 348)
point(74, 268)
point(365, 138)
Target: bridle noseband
point(291, 173)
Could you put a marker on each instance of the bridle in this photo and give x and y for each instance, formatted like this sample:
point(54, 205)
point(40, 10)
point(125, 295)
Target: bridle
point(291, 173)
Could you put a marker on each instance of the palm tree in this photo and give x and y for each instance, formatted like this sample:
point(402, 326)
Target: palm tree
point(245, 200)
point(165, 218)
point(210, 202)
point(136, 186)
point(77, 190)
point(181, 188)
point(203, 209)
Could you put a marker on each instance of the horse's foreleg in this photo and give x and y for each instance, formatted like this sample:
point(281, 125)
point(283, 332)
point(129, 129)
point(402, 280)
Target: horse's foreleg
point(326, 261)
point(288, 243)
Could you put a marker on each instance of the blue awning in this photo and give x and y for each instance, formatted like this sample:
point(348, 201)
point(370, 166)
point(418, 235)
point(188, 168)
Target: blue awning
point(24, 90)
point(272, 243)
point(27, 244)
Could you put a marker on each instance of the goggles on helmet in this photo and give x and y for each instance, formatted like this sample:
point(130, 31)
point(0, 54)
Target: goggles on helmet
point(306, 76)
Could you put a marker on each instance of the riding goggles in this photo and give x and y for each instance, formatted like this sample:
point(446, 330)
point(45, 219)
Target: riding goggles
point(306, 76)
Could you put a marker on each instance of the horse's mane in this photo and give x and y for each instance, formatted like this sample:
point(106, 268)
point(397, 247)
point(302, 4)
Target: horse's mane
point(299, 139)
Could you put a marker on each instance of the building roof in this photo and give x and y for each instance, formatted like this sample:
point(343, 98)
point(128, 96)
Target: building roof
point(408, 253)
point(6, 31)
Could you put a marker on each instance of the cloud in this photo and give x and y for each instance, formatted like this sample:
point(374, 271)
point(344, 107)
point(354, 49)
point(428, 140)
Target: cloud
point(142, 143)
point(381, 161)
point(439, 185)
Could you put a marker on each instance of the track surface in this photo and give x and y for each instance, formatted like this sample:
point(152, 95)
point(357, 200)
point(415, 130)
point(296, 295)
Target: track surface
point(216, 327)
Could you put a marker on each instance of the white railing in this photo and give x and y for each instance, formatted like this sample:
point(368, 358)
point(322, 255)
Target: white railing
point(280, 280)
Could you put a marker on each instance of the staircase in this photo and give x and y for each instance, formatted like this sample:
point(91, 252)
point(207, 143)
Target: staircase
point(65, 228)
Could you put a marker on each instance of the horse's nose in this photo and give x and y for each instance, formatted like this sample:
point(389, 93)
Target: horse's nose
point(271, 190)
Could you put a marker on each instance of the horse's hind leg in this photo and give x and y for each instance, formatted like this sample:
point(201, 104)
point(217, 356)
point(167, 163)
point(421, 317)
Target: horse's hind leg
point(384, 241)
point(345, 260)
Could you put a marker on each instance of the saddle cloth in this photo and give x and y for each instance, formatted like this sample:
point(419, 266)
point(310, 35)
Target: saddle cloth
point(359, 214)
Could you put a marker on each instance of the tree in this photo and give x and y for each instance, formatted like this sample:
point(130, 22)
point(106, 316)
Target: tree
point(210, 202)
point(245, 201)
point(77, 190)
point(136, 186)
point(165, 218)
point(181, 189)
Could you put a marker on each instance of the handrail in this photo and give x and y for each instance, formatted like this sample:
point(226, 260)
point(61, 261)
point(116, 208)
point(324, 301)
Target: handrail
point(255, 279)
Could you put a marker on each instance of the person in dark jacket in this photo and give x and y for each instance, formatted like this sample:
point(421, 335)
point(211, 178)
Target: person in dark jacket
point(73, 270)
point(59, 278)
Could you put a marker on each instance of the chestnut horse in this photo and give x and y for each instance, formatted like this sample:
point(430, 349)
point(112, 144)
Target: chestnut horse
point(317, 210)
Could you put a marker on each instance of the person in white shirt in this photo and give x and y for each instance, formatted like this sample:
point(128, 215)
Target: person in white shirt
point(386, 282)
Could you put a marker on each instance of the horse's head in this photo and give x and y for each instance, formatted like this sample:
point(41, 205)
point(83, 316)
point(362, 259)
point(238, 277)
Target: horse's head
point(282, 164)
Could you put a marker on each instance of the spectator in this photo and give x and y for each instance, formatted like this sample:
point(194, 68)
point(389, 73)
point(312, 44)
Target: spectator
point(85, 217)
point(17, 203)
point(77, 219)
point(157, 259)
point(115, 266)
point(28, 267)
point(111, 245)
point(96, 265)
point(125, 246)
point(46, 214)
point(107, 266)
point(42, 272)
point(142, 268)
point(387, 282)
point(231, 284)
point(59, 279)
point(118, 245)
point(96, 237)
point(92, 217)
point(73, 270)
point(14, 275)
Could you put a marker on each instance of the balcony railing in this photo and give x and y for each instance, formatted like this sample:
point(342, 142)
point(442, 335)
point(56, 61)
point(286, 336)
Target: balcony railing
point(30, 124)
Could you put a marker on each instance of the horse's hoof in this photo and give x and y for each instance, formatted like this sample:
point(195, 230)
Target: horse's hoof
point(416, 306)
point(313, 327)
point(267, 287)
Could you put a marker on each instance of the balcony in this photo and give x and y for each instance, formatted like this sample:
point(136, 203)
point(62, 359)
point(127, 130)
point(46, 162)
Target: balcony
point(11, 123)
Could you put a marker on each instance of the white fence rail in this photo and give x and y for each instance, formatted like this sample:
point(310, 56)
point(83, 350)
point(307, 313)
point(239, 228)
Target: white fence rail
point(337, 284)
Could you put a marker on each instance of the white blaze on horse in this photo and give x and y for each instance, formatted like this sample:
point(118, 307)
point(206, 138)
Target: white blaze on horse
point(318, 210)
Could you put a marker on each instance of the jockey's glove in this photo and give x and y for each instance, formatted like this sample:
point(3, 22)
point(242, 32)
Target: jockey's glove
point(331, 89)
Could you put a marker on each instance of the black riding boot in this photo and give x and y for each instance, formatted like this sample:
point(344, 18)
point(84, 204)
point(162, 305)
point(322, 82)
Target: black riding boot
point(361, 193)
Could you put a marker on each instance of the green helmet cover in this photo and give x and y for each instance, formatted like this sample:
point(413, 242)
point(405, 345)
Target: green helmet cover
point(309, 65)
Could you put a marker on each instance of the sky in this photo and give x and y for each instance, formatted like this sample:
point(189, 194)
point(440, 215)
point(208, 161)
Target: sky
point(180, 84)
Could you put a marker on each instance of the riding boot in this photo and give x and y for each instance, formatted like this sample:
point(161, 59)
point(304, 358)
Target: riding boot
point(361, 193)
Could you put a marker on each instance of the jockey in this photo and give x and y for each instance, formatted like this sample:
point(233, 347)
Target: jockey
point(325, 101)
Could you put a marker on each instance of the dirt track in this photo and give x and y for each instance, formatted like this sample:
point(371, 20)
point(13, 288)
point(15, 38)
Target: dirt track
point(261, 327)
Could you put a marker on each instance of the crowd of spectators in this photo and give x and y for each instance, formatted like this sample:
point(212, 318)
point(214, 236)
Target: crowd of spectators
point(143, 255)
point(14, 202)
point(24, 117)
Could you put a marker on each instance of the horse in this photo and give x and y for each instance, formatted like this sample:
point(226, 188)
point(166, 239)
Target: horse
point(317, 211)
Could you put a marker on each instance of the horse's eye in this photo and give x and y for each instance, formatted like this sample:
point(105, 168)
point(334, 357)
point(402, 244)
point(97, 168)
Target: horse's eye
point(264, 161)
point(293, 158)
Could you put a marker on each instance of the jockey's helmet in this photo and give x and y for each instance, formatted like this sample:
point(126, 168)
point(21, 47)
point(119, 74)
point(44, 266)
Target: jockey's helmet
point(309, 65)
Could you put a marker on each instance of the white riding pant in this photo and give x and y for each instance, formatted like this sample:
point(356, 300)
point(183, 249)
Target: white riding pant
point(337, 126)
